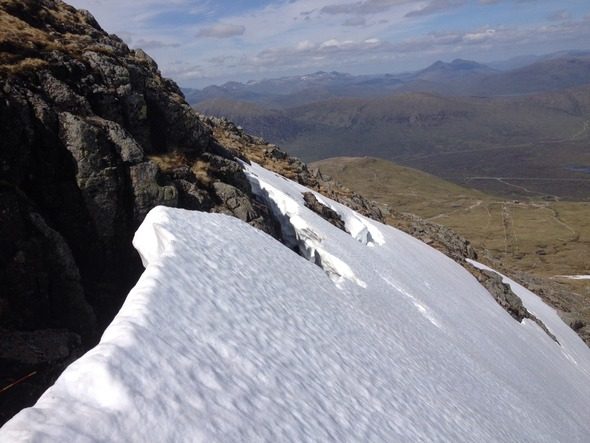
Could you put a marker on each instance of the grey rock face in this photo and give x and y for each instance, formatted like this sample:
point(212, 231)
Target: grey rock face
point(507, 299)
point(323, 211)
point(504, 295)
point(147, 193)
point(87, 127)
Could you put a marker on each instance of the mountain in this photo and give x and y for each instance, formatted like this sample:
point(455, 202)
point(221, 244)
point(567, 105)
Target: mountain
point(552, 74)
point(524, 60)
point(296, 90)
point(537, 140)
point(538, 74)
point(328, 307)
point(229, 335)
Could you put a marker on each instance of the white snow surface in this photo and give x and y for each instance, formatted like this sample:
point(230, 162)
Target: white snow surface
point(231, 336)
point(574, 277)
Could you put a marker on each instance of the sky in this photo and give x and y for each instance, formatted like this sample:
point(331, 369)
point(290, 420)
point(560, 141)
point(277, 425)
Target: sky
point(203, 42)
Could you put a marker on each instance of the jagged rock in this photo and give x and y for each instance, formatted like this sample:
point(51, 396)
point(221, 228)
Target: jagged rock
point(83, 121)
point(503, 295)
point(438, 236)
point(147, 193)
point(323, 211)
point(506, 298)
point(191, 197)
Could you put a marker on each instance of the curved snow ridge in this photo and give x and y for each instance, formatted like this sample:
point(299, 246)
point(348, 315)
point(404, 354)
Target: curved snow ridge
point(156, 236)
point(361, 228)
point(297, 233)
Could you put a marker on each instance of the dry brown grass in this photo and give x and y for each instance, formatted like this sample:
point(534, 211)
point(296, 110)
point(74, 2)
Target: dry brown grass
point(201, 171)
point(23, 45)
point(170, 161)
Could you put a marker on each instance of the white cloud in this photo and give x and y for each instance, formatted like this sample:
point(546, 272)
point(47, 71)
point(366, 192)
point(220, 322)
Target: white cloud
point(298, 36)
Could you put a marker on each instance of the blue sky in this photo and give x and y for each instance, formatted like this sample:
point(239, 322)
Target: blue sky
point(202, 42)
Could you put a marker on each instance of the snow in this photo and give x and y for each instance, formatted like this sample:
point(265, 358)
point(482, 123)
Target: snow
point(574, 277)
point(373, 336)
point(571, 345)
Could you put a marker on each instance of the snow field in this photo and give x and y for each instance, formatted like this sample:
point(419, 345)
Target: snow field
point(371, 336)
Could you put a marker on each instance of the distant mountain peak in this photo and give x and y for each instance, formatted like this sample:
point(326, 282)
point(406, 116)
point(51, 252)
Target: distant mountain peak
point(457, 64)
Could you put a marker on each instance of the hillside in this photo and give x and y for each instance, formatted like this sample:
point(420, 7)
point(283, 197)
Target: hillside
point(271, 306)
point(544, 238)
point(501, 145)
point(552, 74)
point(371, 335)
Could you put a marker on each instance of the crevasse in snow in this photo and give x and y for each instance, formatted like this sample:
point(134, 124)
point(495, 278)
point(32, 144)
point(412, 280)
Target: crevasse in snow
point(231, 336)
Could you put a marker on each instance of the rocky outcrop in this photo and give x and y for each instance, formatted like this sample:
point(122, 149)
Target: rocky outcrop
point(323, 211)
point(438, 236)
point(506, 298)
point(93, 137)
point(268, 155)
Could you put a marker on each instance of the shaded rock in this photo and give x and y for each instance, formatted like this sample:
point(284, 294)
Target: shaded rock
point(504, 295)
point(31, 361)
point(323, 211)
point(147, 193)
point(506, 298)
point(40, 283)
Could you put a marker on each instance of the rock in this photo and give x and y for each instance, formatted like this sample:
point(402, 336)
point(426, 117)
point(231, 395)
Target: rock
point(147, 193)
point(506, 298)
point(235, 201)
point(504, 295)
point(30, 362)
point(323, 211)
point(39, 279)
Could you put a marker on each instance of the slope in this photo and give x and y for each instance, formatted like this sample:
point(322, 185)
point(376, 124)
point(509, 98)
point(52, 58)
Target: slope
point(544, 238)
point(382, 338)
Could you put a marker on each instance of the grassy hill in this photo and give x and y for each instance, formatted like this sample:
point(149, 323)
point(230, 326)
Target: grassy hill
point(544, 238)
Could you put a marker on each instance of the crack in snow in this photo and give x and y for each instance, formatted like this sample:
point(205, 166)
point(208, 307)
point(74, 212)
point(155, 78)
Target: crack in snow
point(423, 309)
point(361, 230)
point(298, 235)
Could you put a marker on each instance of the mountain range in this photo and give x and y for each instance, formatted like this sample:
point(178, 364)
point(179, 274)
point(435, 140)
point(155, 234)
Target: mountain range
point(552, 72)
point(539, 140)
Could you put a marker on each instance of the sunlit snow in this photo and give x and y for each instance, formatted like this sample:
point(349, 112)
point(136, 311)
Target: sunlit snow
point(373, 336)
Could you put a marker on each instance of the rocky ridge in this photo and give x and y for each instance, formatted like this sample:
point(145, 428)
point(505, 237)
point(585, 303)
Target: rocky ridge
point(93, 137)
